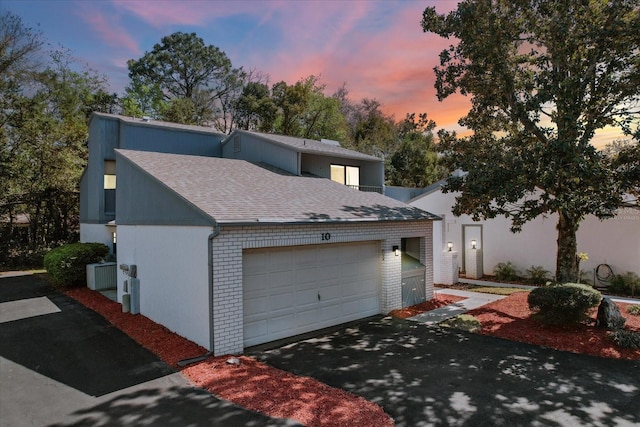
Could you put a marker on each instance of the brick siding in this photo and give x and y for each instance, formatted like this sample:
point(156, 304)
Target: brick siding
point(227, 264)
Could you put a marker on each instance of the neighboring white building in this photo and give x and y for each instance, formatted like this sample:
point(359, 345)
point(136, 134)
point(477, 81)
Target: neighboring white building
point(254, 241)
point(615, 241)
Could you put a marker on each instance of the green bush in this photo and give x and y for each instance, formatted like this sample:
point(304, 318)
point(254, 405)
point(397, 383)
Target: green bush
point(625, 284)
point(634, 310)
point(464, 322)
point(626, 338)
point(564, 304)
point(537, 275)
point(67, 264)
point(505, 271)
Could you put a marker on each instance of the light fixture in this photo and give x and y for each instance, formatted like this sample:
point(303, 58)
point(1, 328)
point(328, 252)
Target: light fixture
point(115, 239)
point(473, 244)
point(449, 246)
point(396, 250)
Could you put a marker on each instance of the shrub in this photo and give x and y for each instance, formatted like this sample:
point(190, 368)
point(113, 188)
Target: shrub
point(626, 338)
point(505, 271)
point(568, 303)
point(626, 284)
point(67, 264)
point(464, 322)
point(634, 310)
point(537, 274)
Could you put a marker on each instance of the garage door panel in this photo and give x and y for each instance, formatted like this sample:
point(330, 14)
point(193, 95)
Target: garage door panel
point(281, 323)
point(256, 305)
point(330, 292)
point(344, 275)
point(330, 312)
point(305, 297)
point(281, 301)
point(278, 279)
point(306, 277)
point(327, 274)
point(361, 307)
point(278, 259)
point(305, 257)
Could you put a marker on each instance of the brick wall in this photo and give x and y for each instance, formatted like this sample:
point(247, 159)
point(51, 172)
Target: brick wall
point(227, 264)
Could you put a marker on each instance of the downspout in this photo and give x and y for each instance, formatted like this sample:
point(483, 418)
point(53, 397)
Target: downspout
point(213, 235)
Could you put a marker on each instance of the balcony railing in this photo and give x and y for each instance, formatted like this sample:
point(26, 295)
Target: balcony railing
point(367, 188)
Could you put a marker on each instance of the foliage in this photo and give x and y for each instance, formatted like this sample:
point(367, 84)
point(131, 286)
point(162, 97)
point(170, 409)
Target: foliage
point(625, 338)
point(464, 322)
point(634, 310)
point(537, 274)
point(505, 271)
point(255, 109)
point(45, 108)
point(563, 304)
point(67, 264)
point(415, 163)
point(543, 76)
point(626, 284)
point(190, 74)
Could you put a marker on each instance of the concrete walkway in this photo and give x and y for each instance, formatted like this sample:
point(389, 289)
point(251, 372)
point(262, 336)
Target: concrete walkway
point(473, 300)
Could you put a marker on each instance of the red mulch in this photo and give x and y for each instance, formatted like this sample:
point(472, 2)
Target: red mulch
point(439, 300)
point(259, 387)
point(253, 385)
point(510, 318)
point(168, 346)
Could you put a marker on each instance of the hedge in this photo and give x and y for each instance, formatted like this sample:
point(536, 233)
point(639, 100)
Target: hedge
point(67, 264)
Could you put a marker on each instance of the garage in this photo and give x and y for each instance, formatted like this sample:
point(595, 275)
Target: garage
point(297, 289)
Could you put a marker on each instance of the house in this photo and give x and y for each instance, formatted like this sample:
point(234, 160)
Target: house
point(251, 237)
point(615, 241)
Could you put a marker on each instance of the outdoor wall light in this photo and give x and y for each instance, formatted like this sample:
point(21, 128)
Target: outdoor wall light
point(115, 237)
point(449, 246)
point(396, 250)
point(473, 244)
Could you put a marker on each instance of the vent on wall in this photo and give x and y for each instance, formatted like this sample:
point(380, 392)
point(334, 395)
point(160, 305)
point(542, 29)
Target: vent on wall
point(102, 276)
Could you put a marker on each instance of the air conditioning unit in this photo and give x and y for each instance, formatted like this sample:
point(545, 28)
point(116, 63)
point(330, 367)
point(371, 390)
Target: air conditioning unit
point(102, 276)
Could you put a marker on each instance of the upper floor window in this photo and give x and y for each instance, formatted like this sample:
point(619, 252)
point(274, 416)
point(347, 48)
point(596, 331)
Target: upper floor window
point(347, 175)
point(109, 175)
point(109, 187)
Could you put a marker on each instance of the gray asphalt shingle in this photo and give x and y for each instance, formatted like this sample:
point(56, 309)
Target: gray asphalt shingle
point(237, 191)
point(306, 145)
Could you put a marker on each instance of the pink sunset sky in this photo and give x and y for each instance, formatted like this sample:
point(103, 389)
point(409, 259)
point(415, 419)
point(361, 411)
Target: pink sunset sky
point(376, 47)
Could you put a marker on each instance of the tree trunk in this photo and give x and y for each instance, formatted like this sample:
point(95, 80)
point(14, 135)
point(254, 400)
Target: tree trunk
point(566, 262)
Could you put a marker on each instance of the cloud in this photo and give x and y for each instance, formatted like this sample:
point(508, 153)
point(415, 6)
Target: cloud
point(380, 52)
point(109, 30)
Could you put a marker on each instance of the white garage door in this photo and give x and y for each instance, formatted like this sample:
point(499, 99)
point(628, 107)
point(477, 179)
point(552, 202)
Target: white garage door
point(292, 290)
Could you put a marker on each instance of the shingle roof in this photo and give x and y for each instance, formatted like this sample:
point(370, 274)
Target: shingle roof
point(237, 191)
point(158, 123)
point(311, 146)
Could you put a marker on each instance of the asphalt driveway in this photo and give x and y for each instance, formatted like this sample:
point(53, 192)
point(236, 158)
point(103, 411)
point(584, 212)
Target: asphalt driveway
point(426, 375)
point(62, 364)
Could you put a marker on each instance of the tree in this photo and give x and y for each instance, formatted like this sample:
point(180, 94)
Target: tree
point(43, 136)
point(186, 69)
point(374, 133)
point(415, 163)
point(292, 101)
point(543, 76)
point(254, 108)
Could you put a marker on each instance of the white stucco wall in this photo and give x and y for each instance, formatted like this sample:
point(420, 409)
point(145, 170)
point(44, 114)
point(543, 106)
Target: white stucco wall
point(100, 233)
point(614, 241)
point(174, 276)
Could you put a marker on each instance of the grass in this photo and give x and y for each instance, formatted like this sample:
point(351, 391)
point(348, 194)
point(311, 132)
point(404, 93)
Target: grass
point(496, 290)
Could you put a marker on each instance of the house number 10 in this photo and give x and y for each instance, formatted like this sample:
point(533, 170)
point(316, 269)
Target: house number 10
point(326, 236)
